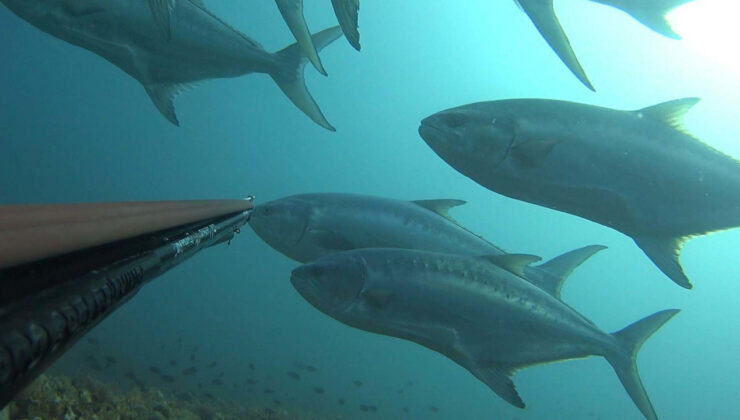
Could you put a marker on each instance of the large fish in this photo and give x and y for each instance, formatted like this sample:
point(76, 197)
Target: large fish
point(651, 13)
point(639, 172)
point(306, 227)
point(483, 317)
point(168, 45)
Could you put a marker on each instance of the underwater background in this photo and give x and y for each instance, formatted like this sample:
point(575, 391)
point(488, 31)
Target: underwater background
point(74, 128)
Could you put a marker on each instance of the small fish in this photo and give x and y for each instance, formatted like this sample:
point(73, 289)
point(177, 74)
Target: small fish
point(251, 366)
point(318, 390)
point(251, 381)
point(433, 409)
point(217, 382)
point(399, 391)
point(96, 366)
point(189, 371)
point(209, 395)
point(155, 369)
point(294, 375)
point(213, 364)
point(173, 362)
point(405, 409)
point(309, 368)
point(168, 378)
point(365, 408)
point(410, 384)
point(268, 391)
point(277, 402)
point(220, 375)
point(341, 401)
point(357, 383)
point(372, 408)
point(110, 360)
point(192, 357)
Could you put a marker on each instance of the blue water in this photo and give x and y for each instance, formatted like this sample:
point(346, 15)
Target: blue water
point(75, 128)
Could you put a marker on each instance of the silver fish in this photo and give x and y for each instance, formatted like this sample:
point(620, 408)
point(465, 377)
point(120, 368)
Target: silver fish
point(484, 318)
point(168, 45)
point(651, 13)
point(306, 227)
point(639, 172)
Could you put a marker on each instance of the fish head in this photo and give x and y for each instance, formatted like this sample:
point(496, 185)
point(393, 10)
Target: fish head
point(282, 223)
point(332, 284)
point(475, 135)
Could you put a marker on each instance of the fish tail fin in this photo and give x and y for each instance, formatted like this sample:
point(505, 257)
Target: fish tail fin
point(289, 75)
point(653, 14)
point(346, 11)
point(624, 360)
point(292, 11)
point(664, 252)
point(543, 16)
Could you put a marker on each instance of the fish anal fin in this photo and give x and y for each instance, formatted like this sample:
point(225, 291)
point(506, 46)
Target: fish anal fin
point(163, 96)
point(664, 252)
point(378, 298)
point(552, 274)
point(515, 263)
point(330, 240)
point(542, 14)
point(533, 153)
point(498, 379)
point(671, 113)
point(440, 207)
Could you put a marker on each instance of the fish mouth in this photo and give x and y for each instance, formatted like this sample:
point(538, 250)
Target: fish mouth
point(430, 132)
point(303, 282)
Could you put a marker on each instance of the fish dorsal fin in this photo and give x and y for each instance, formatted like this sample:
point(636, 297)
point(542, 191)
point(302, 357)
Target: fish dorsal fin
point(440, 207)
point(163, 96)
point(557, 270)
point(671, 112)
point(498, 379)
point(378, 298)
point(515, 263)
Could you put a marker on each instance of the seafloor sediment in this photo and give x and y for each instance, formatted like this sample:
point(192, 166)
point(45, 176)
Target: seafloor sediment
point(85, 398)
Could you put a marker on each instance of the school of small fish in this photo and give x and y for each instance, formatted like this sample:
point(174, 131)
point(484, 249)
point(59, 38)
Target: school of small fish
point(407, 269)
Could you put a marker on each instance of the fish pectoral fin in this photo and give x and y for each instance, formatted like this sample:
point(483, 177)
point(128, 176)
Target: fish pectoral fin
point(378, 298)
point(542, 14)
point(671, 113)
point(163, 96)
point(664, 252)
point(162, 12)
point(533, 153)
point(559, 268)
point(498, 379)
point(330, 240)
point(346, 12)
point(515, 263)
point(440, 207)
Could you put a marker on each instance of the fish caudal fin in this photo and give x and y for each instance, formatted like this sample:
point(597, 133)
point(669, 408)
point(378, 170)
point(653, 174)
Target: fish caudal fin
point(292, 11)
point(664, 254)
point(557, 270)
point(542, 14)
point(346, 11)
point(289, 75)
point(651, 13)
point(624, 360)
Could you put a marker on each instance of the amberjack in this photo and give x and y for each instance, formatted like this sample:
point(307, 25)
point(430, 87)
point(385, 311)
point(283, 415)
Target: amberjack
point(168, 45)
point(640, 172)
point(480, 315)
point(306, 227)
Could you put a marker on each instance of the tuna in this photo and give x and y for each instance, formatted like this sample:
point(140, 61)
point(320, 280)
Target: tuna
point(639, 172)
point(480, 315)
point(651, 13)
point(168, 45)
point(308, 226)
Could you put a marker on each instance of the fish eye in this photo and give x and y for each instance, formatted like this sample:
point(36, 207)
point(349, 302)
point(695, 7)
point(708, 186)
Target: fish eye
point(453, 120)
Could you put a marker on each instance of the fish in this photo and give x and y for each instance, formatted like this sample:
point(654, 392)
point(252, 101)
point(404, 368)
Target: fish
point(212, 364)
point(357, 383)
point(318, 390)
point(306, 227)
point(294, 375)
point(638, 172)
point(189, 371)
point(341, 401)
point(484, 318)
point(217, 382)
point(268, 391)
point(651, 13)
point(251, 366)
point(346, 12)
point(168, 378)
point(133, 37)
point(173, 362)
point(155, 370)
